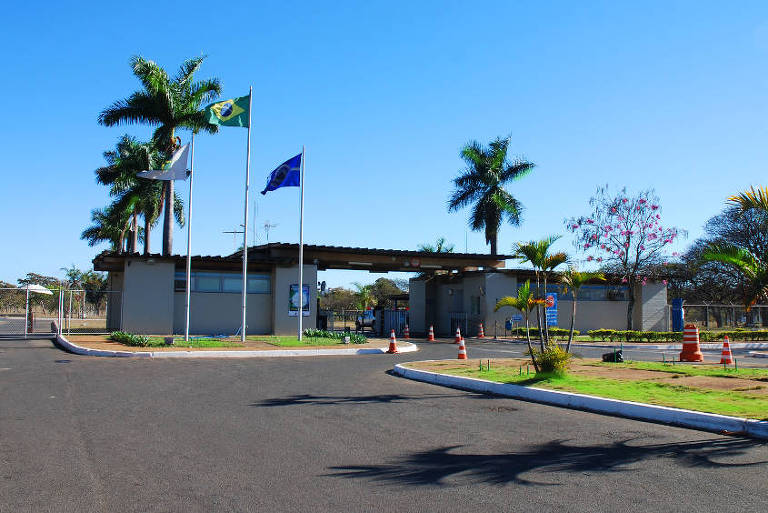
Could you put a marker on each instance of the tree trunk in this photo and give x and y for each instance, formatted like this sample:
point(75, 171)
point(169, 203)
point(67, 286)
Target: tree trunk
point(538, 315)
point(168, 219)
point(573, 320)
point(546, 324)
point(147, 229)
point(493, 245)
point(135, 233)
point(630, 306)
point(530, 347)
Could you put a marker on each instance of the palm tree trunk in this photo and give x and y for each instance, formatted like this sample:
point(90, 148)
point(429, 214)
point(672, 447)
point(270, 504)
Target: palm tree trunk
point(573, 320)
point(135, 233)
point(530, 347)
point(493, 245)
point(538, 315)
point(168, 219)
point(546, 324)
point(147, 229)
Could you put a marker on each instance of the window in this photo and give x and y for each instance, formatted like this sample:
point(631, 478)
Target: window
point(229, 283)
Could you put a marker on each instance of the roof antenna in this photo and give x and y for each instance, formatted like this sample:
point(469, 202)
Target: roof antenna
point(267, 227)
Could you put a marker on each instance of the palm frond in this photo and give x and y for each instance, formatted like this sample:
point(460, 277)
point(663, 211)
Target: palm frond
point(754, 198)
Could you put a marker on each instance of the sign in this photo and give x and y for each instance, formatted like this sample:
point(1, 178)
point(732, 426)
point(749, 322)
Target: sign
point(517, 318)
point(551, 310)
point(293, 300)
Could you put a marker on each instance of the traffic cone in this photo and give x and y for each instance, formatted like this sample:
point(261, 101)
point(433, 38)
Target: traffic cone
point(462, 350)
point(431, 336)
point(727, 356)
point(458, 336)
point(392, 343)
point(406, 333)
point(480, 332)
point(691, 349)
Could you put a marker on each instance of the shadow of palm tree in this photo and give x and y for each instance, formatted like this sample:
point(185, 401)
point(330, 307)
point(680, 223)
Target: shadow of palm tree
point(433, 467)
point(300, 399)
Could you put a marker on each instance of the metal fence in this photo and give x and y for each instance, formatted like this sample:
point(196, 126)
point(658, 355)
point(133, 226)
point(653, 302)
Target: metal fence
point(714, 316)
point(32, 313)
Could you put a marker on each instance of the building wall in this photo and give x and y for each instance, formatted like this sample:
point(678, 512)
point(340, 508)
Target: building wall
point(282, 278)
point(115, 302)
point(497, 286)
point(448, 298)
point(417, 301)
point(592, 315)
point(653, 313)
point(148, 297)
point(216, 313)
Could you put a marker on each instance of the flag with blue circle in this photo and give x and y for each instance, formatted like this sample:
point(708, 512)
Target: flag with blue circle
point(232, 112)
point(287, 174)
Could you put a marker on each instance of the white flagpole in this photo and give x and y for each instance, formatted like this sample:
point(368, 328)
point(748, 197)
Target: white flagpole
point(189, 237)
point(301, 248)
point(245, 217)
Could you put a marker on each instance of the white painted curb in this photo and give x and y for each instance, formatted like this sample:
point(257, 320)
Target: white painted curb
point(662, 414)
point(403, 347)
point(755, 354)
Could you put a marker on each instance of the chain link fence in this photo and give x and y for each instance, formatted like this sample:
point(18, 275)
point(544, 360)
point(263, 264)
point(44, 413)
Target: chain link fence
point(714, 316)
point(50, 311)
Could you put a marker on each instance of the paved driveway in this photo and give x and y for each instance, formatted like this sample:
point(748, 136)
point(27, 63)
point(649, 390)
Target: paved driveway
point(333, 434)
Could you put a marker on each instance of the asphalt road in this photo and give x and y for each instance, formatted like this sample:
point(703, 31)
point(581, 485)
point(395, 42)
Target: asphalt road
point(332, 434)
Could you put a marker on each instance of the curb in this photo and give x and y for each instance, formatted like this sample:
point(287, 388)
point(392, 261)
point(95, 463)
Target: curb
point(755, 354)
point(277, 353)
point(678, 346)
point(662, 414)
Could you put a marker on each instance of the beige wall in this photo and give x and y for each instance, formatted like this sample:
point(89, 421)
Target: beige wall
point(593, 315)
point(115, 303)
point(497, 286)
point(217, 313)
point(417, 300)
point(148, 297)
point(283, 277)
point(654, 316)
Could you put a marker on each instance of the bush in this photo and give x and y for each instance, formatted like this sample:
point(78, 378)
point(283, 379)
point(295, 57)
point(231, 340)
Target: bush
point(129, 339)
point(554, 360)
point(553, 332)
point(355, 338)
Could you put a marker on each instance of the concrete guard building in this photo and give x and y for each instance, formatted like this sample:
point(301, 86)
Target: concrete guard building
point(450, 289)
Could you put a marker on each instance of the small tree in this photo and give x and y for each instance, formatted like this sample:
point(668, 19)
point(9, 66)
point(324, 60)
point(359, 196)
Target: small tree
point(574, 280)
point(525, 302)
point(625, 235)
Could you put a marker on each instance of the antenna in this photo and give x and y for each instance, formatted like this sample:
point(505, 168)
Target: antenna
point(234, 237)
point(267, 227)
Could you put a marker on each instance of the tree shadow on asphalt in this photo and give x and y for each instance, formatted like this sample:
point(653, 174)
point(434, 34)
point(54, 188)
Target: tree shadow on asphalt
point(320, 400)
point(433, 467)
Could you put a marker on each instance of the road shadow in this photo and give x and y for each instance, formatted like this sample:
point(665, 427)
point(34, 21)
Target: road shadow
point(324, 400)
point(433, 467)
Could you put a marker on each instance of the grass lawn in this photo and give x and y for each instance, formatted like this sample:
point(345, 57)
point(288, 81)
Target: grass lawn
point(292, 341)
point(750, 401)
point(194, 342)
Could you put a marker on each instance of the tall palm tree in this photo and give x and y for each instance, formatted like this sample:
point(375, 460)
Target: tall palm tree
point(525, 302)
point(573, 279)
point(481, 185)
point(168, 104)
point(754, 198)
point(537, 254)
point(753, 269)
point(123, 163)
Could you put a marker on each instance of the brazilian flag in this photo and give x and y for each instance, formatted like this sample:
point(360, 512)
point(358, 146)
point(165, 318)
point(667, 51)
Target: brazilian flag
point(232, 112)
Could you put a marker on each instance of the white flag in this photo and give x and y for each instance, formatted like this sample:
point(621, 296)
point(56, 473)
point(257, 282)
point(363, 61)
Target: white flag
point(174, 169)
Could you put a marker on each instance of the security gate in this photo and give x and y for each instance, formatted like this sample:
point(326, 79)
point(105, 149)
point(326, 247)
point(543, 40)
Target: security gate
point(394, 320)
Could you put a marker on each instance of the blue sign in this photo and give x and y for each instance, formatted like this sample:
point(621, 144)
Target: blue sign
point(551, 308)
point(517, 318)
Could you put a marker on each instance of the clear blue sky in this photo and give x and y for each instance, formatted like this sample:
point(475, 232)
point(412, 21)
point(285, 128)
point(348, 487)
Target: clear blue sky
point(670, 95)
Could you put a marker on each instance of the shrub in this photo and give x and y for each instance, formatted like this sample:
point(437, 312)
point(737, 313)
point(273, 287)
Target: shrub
point(129, 339)
point(553, 332)
point(554, 360)
point(355, 338)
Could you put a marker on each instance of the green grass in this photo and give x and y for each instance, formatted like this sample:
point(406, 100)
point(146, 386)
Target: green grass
point(691, 370)
point(733, 403)
point(194, 343)
point(292, 341)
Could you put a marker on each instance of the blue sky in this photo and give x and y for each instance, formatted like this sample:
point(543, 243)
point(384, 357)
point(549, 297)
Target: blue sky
point(670, 95)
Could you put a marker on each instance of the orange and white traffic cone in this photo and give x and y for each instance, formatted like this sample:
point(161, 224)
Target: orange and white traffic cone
point(480, 332)
point(691, 349)
point(392, 343)
point(727, 356)
point(458, 336)
point(431, 336)
point(462, 350)
point(406, 333)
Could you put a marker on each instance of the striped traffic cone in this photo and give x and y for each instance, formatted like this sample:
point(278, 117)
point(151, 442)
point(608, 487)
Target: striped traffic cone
point(406, 333)
point(727, 356)
point(462, 350)
point(691, 349)
point(431, 336)
point(392, 343)
point(480, 332)
point(458, 336)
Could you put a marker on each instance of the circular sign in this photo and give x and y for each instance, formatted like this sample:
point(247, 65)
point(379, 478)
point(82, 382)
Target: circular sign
point(415, 262)
point(550, 302)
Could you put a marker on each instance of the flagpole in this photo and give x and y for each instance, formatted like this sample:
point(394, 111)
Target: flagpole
point(301, 248)
point(189, 237)
point(245, 217)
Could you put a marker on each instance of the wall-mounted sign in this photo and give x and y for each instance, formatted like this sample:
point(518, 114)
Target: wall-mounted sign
point(293, 300)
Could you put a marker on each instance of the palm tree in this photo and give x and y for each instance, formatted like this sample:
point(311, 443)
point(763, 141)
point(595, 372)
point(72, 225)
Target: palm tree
point(573, 279)
point(169, 104)
point(481, 185)
point(109, 225)
point(544, 264)
point(440, 246)
point(365, 296)
point(751, 199)
point(524, 302)
point(753, 269)
point(145, 196)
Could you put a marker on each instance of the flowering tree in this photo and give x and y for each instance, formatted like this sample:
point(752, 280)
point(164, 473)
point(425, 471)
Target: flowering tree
point(624, 235)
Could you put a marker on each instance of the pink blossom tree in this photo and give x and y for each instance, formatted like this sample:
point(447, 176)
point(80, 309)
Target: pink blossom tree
point(624, 235)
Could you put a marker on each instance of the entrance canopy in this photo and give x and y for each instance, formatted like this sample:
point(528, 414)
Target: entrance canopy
point(372, 259)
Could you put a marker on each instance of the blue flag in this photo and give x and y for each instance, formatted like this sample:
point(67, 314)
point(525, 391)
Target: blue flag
point(287, 174)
